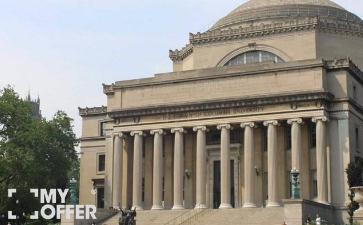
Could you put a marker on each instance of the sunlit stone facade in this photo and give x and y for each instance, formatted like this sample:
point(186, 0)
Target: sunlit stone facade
point(266, 90)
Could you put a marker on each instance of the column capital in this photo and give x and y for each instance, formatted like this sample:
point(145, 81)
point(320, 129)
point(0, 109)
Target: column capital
point(227, 126)
point(248, 124)
point(321, 118)
point(202, 128)
point(178, 130)
point(119, 134)
point(157, 131)
point(295, 120)
point(271, 122)
point(133, 133)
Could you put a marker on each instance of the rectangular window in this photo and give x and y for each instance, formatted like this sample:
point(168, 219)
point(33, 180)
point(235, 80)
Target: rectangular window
point(101, 163)
point(103, 129)
point(100, 198)
point(264, 139)
point(354, 92)
point(288, 138)
point(213, 137)
point(143, 189)
point(357, 138)
point(312, 135)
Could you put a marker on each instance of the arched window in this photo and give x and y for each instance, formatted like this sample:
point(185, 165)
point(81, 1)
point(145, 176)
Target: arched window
point(253, 57)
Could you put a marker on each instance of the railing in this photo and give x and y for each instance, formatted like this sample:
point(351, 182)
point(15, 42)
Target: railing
point(188, 218)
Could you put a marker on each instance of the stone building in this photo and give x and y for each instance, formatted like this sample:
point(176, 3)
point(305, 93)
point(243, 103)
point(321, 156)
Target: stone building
point(35, 106)
point(272, 87)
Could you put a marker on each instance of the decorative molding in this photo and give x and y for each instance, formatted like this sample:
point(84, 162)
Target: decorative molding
point(202, 128)
point(321, 118)
point(296, 120)
point(157, 131)
point(92, 111)
point(97, 138)
point(222, 104)
point(249, 124)
point(280, 12)
point(271, 122)
point(179, 55)
point(178, 130)
point(226, 126)
point(133, 133)
point(108, 89)
point(282, 26)
point(119, 134)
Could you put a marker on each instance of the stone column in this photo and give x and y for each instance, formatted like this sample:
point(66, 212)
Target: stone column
point(273, 200)
point(225, 166)
point(321, 158)
point(295, 143)
point(249, 169)
point(178, 168)
point(117, 165)
point(137, 170)
point(158, 170)
point(201, 167)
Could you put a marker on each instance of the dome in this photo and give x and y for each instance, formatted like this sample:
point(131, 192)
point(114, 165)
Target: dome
point(267, 10)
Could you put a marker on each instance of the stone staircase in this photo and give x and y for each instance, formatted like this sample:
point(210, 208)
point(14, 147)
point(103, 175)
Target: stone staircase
point(243, 216)
point(256, 216)
point(151, 217)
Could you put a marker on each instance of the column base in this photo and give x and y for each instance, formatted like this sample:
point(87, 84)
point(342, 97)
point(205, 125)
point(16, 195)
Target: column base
point(249, 205)
point(273, 204)
point(225, 206)
point(178, 207)
point(157, 207)
point(137, 208)
point(200, 206)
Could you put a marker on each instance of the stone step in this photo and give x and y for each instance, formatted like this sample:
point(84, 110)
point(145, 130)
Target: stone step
point(151, 217)
point(241, 216)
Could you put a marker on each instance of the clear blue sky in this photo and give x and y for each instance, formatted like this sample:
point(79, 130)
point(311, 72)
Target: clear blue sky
point(64, 50)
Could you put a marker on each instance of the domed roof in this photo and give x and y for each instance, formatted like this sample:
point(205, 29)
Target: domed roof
point(258, 10)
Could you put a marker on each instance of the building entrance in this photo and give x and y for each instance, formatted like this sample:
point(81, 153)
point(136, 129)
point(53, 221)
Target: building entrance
point(217, 184)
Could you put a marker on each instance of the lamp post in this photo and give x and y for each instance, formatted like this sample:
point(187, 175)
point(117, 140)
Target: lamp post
point(295, 184)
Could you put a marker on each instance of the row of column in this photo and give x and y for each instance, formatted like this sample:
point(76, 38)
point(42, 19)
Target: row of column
point(201, 165)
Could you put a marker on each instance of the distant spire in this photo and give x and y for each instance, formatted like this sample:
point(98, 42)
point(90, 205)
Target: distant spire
point(28, 97)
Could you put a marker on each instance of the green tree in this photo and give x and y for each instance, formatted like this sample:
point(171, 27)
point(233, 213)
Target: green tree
point(33, 154)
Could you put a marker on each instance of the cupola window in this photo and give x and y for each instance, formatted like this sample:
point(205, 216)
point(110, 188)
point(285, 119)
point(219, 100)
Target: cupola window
point(254, 57)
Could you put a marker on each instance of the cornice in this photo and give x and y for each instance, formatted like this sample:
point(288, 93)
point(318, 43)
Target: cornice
point(92, 111)
point(347, 64)
point(219, 72)
point(179, 55)
point(108, 89)
point(282, 26)
point(97, 138)
point(221, 104)
point(253, 31)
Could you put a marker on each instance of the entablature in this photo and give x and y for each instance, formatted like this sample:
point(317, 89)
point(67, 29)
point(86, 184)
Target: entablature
point(294, 99)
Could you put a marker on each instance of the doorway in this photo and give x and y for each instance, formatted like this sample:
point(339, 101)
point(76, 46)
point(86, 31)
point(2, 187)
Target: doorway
point(217, 184)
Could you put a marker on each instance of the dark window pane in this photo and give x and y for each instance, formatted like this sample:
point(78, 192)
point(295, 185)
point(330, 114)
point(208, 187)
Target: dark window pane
point(101, 163)
point(100, 198)
point(254, 57)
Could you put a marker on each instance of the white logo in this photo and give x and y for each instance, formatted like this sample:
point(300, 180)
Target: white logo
point(50, 211)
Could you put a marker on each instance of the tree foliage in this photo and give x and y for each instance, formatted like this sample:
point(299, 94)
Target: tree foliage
point(33, 154)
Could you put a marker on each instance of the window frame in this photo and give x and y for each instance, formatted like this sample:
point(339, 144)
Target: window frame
point(98, 171)
point(254, 57)
point(102, 128)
